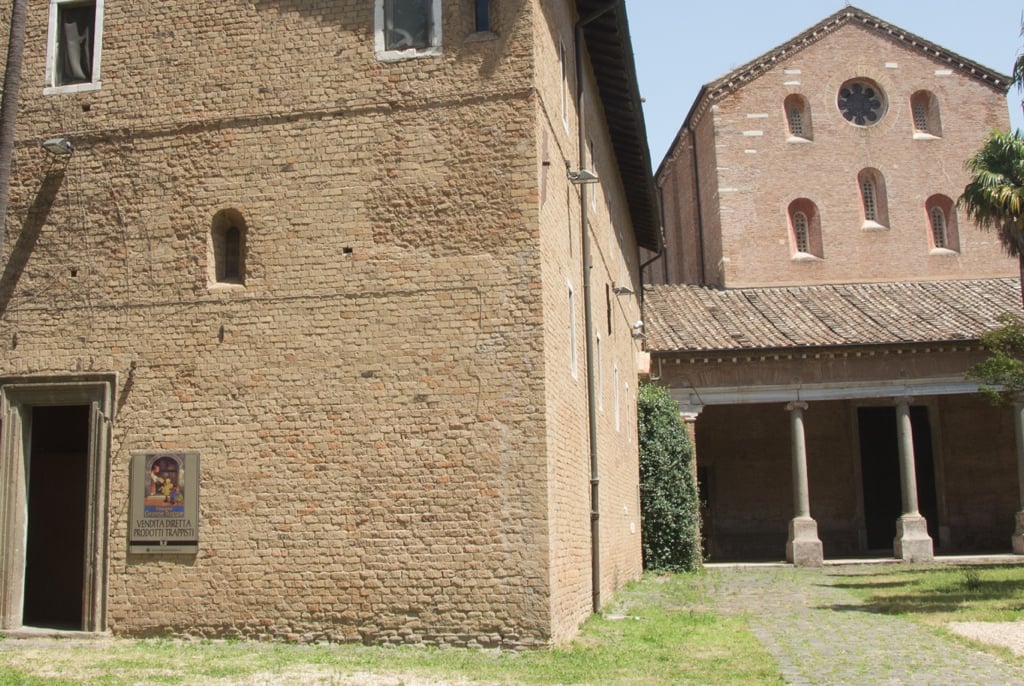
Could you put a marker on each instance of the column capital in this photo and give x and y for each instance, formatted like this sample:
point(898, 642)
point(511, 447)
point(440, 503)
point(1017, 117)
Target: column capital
point(690, 413)
point(796, 405)
point(903, 400)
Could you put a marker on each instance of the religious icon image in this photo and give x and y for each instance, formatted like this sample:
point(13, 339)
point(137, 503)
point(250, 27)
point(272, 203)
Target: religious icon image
point(165, 486)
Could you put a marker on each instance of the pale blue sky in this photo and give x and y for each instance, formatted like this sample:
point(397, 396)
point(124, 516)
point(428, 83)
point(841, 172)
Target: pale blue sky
point(679, 46)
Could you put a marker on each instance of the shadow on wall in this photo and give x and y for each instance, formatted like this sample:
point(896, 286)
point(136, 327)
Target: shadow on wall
point(459, 22)
point(30, 230)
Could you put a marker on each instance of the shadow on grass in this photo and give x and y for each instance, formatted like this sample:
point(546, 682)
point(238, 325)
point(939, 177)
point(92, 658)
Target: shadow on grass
point(931, 591)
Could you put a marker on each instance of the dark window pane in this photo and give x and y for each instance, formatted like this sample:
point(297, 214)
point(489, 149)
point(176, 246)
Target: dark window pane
point(75, 27)
point(232, 254)
point(406, 24)
point(483, 15)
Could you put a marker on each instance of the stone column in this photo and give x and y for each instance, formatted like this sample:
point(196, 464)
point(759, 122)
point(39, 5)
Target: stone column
point(1018, 531)
point(912, 542)
point(803, 547)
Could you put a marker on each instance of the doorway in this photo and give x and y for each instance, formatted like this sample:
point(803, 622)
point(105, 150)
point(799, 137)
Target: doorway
point(55, 561)
point(54, 475)
point(880, 472)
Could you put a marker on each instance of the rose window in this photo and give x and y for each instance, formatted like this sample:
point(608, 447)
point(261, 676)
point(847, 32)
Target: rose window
point(861, 102)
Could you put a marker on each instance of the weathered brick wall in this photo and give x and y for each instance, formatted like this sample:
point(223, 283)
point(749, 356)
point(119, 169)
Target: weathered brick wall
point(391, 450)
point(759, 171)
point(614, 257)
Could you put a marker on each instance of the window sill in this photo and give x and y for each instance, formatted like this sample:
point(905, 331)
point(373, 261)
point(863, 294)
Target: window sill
point(225, 286)
point(410, 54)
point(481, 37)
point(873, 226)
point(921, 136)
point(804, 257)
point(798, 139)
point(73, 88)
point(943, 251)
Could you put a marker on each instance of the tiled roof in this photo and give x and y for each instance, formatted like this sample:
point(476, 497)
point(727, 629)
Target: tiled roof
point(682, 318)
point(606, 31)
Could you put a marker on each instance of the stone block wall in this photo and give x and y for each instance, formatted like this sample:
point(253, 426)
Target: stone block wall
point(379, 458)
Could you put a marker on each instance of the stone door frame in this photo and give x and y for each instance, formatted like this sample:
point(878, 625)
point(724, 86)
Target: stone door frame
point(17, 397)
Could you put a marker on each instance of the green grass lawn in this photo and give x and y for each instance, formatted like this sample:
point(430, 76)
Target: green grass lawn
point(937, 595)
point(651, 634)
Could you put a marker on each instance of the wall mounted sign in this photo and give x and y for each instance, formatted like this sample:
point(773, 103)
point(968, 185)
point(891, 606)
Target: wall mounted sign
point(164, 503)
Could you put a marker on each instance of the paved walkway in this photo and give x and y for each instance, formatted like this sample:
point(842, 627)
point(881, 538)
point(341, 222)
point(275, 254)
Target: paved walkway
point(822, 635)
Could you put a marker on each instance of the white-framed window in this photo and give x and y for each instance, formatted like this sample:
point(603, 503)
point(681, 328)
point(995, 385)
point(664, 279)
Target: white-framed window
point(74, 46)
point(405, 29)
point(574, 363)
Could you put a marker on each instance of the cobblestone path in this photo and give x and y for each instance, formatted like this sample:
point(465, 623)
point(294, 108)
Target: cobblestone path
point(823, 635)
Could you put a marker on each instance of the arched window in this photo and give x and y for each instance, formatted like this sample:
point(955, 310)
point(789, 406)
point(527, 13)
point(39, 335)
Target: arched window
point(227, 248)
point(943, 231)
point(874, 204)
point(805, 229)
point(801, 232)
point(798, 117)
point(924, 109)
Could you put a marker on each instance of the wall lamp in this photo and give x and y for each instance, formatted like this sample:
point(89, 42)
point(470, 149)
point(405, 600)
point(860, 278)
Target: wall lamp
point(58, 146)
point(581, 177)
point(622, 290)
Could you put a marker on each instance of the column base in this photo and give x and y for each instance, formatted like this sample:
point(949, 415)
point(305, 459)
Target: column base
point(1018, 534)
point(912, 542)
point(803, 547)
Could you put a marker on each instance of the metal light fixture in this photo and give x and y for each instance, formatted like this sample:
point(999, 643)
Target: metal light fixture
point(581, 177)
point(622, 290)
point(58, 146)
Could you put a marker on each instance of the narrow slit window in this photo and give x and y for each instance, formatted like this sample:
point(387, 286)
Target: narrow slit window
point(801, 232)
point(867, 192)
point(483, 15)
point(938, 227)
point(920, 116)
point(796, 121)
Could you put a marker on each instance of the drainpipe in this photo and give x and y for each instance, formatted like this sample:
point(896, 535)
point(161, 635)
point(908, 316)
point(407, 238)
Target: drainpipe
point(696, 197)
point(595, 509)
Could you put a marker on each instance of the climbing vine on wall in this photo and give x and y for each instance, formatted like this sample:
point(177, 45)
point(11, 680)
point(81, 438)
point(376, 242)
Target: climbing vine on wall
point(669, 508)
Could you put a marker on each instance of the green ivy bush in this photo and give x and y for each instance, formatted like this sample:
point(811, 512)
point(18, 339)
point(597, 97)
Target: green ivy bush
point(669, 507)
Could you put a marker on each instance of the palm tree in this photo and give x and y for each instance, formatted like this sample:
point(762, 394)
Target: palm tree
point(9, 108)
point(994, 198)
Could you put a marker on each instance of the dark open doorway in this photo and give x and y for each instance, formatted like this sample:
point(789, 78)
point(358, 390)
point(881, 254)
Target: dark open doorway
point(880, 471)
point(55, 554)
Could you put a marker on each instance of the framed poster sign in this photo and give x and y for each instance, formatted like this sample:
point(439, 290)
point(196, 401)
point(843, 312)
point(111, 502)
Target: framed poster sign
point(164, 503)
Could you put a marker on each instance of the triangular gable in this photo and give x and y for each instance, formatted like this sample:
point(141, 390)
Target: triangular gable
point(737, 78)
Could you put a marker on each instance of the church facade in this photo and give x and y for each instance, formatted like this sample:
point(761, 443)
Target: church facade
point(821, 297)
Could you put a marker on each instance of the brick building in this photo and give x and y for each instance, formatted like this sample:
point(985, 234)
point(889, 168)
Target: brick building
point(821, 290)
point(314, 280)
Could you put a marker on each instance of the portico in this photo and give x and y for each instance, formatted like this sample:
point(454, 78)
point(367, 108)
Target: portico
point(825, 451)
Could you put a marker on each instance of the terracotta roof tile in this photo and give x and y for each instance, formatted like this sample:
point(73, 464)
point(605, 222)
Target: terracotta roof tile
point(696, 318)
